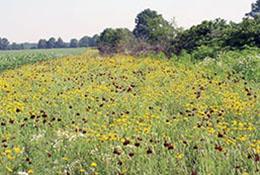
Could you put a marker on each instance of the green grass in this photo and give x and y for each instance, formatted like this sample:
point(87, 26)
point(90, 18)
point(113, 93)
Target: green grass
point(14, 59)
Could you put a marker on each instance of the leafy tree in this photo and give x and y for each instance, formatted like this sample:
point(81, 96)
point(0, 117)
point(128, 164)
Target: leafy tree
point(255, 10)
point(119, 40)
point(208, 33)
point(85, 41)
point(94, 41)
point(60, 43)
point(4, 43)
point(244, 34)
point(42, 44)
point(51, 43)
point(15, 46)
point(73, 43)
point(152, 27)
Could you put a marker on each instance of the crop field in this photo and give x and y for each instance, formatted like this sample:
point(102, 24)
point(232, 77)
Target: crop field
point(13, 59)
point(88, 114)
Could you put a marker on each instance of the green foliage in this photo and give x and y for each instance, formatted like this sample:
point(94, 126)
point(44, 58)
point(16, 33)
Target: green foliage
point(74, 43)
point(51, 43)
point(152, 27)
point(119, 40)
point(4, 44)
point(15, 46)
point(244, 34)
point(210, 37)
point(42, 44)
point(84, 42)
point(255, 11)
point(154, 35)
point(205, 51)
point(246, 63)
point(60, 43)
point(87, 41)
point(208, 33)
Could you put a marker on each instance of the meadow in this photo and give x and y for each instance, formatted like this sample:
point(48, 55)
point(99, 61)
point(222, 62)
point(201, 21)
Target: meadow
point(13, 59)
point(90, 114)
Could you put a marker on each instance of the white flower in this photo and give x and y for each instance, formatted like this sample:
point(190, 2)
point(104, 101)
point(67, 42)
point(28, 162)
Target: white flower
point(22, 173)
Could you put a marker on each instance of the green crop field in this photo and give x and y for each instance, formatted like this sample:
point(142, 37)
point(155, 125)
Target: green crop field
point(13, 59)
point(89, 114)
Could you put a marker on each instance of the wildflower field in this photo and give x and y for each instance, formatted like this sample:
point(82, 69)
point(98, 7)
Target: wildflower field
point(88, 114)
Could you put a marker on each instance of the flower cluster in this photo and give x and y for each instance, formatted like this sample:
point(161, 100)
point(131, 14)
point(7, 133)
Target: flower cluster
point(123, 115)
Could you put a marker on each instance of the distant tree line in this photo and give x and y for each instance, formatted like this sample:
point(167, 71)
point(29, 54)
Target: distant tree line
point(152, 33)
point(85, 41)
point(51, 43)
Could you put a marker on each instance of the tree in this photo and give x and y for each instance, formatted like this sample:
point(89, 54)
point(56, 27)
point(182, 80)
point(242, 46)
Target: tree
point(244, 34)
point(73, 43)
point(94, 41)
point(85, 41)
point(119, 40)
point(15, 46)
point(51, 43)
point(42, 44)
point(60, 43)
point(152, 27)
point(255, 10)
point(208, 33)
point(4, 43)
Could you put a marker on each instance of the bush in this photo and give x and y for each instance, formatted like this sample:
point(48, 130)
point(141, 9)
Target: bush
point(205, 51)
point(114, 41)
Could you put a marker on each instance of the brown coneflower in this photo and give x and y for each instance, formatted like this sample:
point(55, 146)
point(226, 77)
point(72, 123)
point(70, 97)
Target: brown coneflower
point(219, 148)
point(149, 151)
point(131, 154)
point(137, 144)
point(126, 142)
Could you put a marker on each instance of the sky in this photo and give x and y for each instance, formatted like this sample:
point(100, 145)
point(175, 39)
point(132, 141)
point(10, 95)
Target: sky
point(31, 20)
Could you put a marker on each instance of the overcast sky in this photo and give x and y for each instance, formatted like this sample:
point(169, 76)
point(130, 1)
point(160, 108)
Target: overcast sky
point(30, 20)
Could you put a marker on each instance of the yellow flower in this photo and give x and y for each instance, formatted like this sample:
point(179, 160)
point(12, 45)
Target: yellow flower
point(30, 171)
point(65, 158)
point(93, 164)
point(10, 157)
point(243, 138)
point(179, 156)
point(82, 170)
point(211, 130)
point(17, 150)
point(245, 173)
point(8, 151)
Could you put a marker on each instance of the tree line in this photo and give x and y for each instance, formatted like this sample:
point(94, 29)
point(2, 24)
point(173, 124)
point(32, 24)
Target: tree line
point(85, 41)
point(51, 43)
point(152, 33)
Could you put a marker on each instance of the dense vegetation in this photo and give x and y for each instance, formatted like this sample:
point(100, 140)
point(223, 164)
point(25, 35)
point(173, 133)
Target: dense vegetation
point(51, 43)
point(152, 33)
point(125, 115)
point(86, 41)
point(13, 59)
